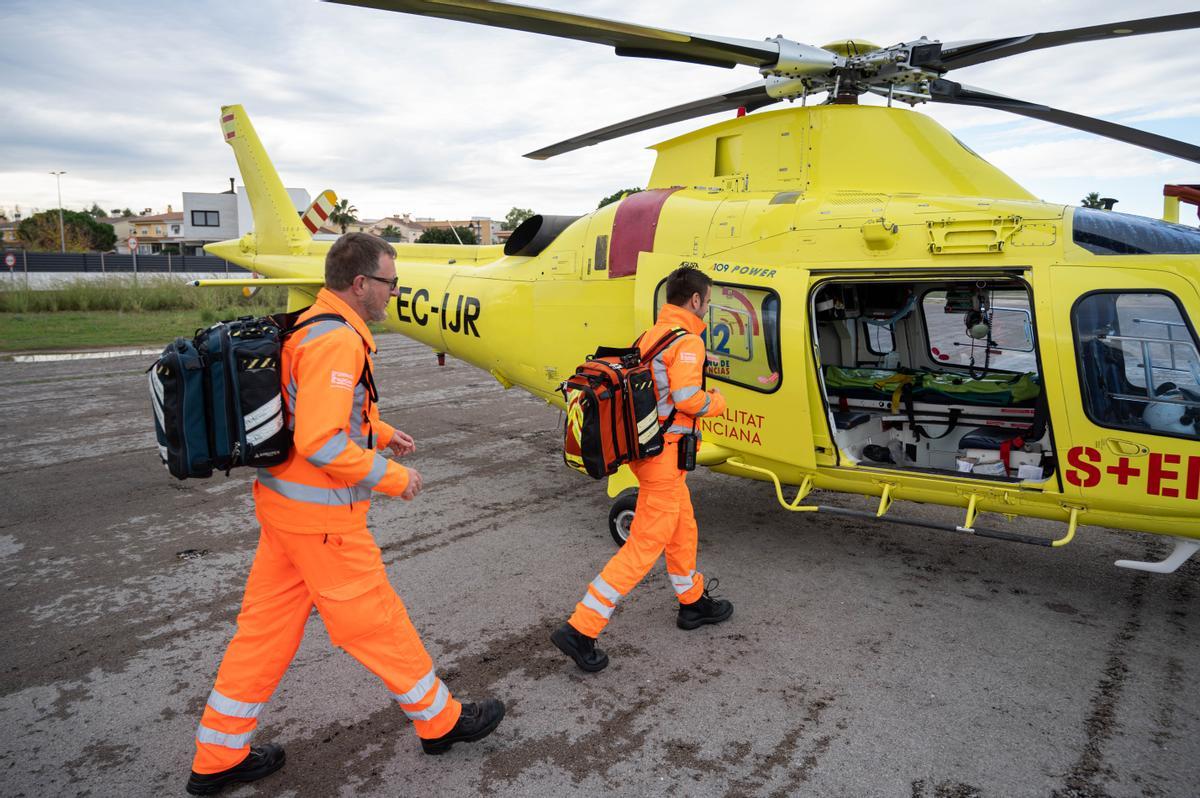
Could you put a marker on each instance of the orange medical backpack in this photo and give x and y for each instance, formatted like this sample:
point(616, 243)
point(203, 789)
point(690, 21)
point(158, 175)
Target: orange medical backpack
point(612, 409)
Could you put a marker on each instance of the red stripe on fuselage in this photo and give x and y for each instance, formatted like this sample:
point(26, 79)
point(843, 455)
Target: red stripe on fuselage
point(633, 229)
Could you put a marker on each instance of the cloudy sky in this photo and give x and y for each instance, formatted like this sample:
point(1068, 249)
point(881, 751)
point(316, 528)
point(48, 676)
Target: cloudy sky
point(405, 114)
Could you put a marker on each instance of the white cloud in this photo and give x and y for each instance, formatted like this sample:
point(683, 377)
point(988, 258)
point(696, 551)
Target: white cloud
point(401, 113)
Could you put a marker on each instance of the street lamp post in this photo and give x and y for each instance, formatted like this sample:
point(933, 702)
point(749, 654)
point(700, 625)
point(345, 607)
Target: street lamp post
point(62, 235)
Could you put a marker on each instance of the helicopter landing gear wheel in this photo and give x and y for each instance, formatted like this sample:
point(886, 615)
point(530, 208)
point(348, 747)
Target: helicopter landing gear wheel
point(620, 517)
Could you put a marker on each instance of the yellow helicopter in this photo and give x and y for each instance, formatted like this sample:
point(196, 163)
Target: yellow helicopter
point(892, 316)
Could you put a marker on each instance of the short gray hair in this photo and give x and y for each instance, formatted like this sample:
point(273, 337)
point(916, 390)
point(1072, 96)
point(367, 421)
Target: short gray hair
point(351, 255)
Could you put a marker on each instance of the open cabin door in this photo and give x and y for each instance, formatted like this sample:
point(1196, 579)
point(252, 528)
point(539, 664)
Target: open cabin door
point(1132, 387)
point(756, 344)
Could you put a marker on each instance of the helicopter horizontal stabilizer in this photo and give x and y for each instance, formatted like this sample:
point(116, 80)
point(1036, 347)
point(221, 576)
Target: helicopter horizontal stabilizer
point(319, 211)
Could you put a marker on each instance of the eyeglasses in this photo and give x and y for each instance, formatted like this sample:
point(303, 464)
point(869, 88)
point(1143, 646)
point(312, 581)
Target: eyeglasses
point(391, 284)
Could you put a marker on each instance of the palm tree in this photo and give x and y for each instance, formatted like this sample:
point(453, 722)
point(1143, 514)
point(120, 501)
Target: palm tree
point(1092, 200)
point(391, 232)
point(343, 214)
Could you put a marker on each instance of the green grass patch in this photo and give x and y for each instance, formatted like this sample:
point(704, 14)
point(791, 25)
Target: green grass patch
point(126, 295)
point(96, 329)
point(23, 332)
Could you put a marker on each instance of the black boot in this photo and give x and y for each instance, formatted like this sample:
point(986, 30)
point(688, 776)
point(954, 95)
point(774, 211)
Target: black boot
point(261, 762)
point(476, 722)
point(580, 648)
point(706, 609)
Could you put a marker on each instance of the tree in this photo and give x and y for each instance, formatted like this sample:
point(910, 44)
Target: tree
point(96, 211)
point(1092, 200)
point(81, 232)
point(514, 218)
point(391, 233)
point(344, 214)
point(126, 212)
point(443, 235)
point(611, 198)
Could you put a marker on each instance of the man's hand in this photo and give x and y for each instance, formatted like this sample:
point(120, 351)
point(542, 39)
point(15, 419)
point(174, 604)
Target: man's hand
point(401, 444)
point(414, 485)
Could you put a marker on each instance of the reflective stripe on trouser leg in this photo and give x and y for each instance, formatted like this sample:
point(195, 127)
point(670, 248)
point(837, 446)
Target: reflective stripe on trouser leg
point(654, 523)
point(682, 583)
point(426, 699)
point(595, 608)
point(394, 652)
point(275, 609)
point(681, 552)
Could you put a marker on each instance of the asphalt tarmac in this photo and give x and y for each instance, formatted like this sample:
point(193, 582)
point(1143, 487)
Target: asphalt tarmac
point(862, 659)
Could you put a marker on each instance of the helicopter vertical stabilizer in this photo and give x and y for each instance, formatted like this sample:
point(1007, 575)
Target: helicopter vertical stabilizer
point(277, 228)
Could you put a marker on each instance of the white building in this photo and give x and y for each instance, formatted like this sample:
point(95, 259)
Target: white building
point(209, 217)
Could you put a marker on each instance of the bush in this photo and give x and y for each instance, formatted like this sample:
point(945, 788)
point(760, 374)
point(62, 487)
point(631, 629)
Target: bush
point(125, 295)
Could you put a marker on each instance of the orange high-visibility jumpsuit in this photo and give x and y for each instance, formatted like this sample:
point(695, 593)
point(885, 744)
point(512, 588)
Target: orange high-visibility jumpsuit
point(663, 518)
point(315, 549)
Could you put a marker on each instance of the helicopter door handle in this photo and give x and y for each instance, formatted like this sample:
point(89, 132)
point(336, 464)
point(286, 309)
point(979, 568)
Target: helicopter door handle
point(1126, 448)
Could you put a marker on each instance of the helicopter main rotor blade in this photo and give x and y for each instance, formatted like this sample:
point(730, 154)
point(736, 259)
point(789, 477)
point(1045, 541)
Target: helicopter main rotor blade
point(956, 55)
point(630, 40)
point(749, 97)
point(947, 91)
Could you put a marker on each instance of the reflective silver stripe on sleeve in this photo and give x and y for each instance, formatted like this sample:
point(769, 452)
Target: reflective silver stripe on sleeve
point(377, 472)
point(329, 452)
point(305, 493)
point(704, 410)
point(214, 737)
point(682, 430)
point(686, 392)
point(322, 328)
point(663, 385)
point(682, 584)
point(593, 603)
point(355, 421)
point(291, 392)
point(418, 690)
point(606, 590)
point(439, 703)
point(232, 708)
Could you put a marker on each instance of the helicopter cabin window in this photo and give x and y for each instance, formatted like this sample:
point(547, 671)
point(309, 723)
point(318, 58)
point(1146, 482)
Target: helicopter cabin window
point(936, 376)
point(879, 337)
point(1139, 367)
point(742, 336)
point(958, 321)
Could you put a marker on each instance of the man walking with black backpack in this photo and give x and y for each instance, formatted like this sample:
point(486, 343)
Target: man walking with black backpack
point(315, 547)
point(663, 519)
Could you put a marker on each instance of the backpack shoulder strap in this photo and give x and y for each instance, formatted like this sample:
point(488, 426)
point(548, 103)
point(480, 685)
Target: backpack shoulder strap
point(662, 344)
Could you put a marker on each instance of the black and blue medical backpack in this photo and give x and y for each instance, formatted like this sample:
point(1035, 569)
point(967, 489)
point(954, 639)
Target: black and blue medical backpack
point(217, 397)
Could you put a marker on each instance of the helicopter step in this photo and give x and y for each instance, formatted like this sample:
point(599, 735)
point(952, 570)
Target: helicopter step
point(1184, 549)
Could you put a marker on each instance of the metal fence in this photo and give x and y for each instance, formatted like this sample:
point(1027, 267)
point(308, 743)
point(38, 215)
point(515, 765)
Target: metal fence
point(104, 262)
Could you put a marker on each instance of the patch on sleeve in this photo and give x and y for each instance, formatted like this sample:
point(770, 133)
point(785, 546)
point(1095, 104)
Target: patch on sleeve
point(687, 357)
point(341, 379)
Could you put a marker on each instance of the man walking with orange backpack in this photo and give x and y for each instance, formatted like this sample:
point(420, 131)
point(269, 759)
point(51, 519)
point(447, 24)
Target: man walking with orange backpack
point(663, 519)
